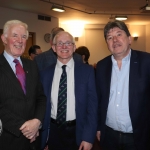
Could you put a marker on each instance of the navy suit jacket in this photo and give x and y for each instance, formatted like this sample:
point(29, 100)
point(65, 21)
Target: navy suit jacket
point(85, 102)
point(139, 95)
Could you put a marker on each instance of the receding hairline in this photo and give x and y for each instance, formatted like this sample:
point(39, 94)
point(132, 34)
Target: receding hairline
point(61, 33)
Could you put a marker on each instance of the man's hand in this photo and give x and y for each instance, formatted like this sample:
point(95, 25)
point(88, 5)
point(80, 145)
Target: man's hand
point(46, 148)
point(34, 138)
point(85, 146)
point(98, 135)
point(30, 128)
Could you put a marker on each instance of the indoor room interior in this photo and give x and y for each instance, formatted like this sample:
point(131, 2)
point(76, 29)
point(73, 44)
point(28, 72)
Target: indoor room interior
point(85, 20)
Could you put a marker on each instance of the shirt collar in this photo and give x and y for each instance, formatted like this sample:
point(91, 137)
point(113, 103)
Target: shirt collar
point(69, 64)
point(10, 58)
point(127, 58)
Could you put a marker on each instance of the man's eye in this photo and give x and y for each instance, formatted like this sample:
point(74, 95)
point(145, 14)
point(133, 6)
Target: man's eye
point(109, 38)
point(60, 44)
point(14, 35)
point(119, 34)
point(24, 36)
point(68, 43)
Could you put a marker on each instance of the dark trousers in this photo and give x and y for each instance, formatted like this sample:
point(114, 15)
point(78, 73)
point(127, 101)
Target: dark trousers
point(115, 140)
point(63, 138)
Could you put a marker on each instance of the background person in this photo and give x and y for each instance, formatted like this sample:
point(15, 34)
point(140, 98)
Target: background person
point(123, 91)
point(33, 51)
point(84, 52)
point(22, 101)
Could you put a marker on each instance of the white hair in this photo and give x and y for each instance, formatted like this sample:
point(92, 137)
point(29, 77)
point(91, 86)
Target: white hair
point(10, 23)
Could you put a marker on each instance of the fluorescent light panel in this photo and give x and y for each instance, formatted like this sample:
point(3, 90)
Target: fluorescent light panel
point(57, 8)
point(121, 18)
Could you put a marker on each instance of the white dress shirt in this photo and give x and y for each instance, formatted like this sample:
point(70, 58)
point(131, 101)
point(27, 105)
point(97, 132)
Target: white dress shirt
point(10, 60)
point(70, 90)
point(118, 117)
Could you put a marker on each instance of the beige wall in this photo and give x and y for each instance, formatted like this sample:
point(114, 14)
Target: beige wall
point(40, 27)
point(148, 38)
point(92, 37)
point(96, 44)
point(140, 43)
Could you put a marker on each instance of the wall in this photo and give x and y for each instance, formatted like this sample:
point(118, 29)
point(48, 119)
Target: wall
point(92, 37)
point(148, 38)
point(40, 27)
point(95, 43)
point(140, 43)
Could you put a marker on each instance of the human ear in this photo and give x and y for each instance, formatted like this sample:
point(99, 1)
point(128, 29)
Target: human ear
point(3, 39)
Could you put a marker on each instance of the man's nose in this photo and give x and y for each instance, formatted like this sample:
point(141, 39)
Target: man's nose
point(64, 45)
point(20, 39)
point(114, 38)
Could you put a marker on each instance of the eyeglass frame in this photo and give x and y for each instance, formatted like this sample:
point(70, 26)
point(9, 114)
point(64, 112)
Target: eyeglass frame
point(67, 44)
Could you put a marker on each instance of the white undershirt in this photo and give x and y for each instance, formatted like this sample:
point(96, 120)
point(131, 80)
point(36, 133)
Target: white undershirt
point(70, 90)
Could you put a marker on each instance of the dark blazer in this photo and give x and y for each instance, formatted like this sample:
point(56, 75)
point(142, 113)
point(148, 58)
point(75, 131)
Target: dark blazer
point(139, 96)
point(45, 59)
point(15, 106)
point(85, 102)
point(49, 57)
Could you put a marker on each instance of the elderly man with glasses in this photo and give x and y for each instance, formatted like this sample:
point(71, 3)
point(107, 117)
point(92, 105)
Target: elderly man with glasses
point(71, 115)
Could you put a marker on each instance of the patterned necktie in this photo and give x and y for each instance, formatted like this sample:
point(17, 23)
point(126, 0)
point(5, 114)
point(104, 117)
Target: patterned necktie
point(20, 75)
point(62, 98)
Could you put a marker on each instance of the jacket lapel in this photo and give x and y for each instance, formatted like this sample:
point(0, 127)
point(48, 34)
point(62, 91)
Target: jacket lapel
point(7, 70)
point(133, 78)
point(107, 81)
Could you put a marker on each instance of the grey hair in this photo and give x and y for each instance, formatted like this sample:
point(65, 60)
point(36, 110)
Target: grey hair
point(63, 32)
point(10, 23)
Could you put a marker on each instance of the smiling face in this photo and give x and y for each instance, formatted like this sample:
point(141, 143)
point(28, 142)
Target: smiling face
point(118, 42)
point(15, 40)
point(64, 46)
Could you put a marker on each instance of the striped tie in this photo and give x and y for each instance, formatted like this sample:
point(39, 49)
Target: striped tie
point(62, 98)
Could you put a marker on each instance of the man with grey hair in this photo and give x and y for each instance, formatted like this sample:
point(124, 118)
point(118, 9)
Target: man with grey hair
point(22, 101)
point(123, 87)
point(49, 57)
point(70, 121)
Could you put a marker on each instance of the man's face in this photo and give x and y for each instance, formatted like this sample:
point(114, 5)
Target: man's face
point(38, 51)
point(118, 42)
point(15, 42)
point(64, 47)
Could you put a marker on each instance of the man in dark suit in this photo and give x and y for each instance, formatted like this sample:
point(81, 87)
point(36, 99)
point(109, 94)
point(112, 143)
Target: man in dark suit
point(22, 100)
point(123, 86)
point(79, 128)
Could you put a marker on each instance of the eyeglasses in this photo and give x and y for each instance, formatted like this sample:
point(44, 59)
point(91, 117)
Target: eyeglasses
point(67, 44)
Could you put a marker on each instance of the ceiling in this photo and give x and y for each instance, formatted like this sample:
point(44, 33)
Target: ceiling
point(94, 11)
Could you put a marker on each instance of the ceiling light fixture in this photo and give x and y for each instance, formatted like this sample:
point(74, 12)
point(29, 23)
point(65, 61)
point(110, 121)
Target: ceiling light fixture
point(121, 18)
point(58, 8)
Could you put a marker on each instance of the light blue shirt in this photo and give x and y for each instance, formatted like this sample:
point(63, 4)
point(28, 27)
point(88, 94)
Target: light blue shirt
point(118, 117)
point(10, 60)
